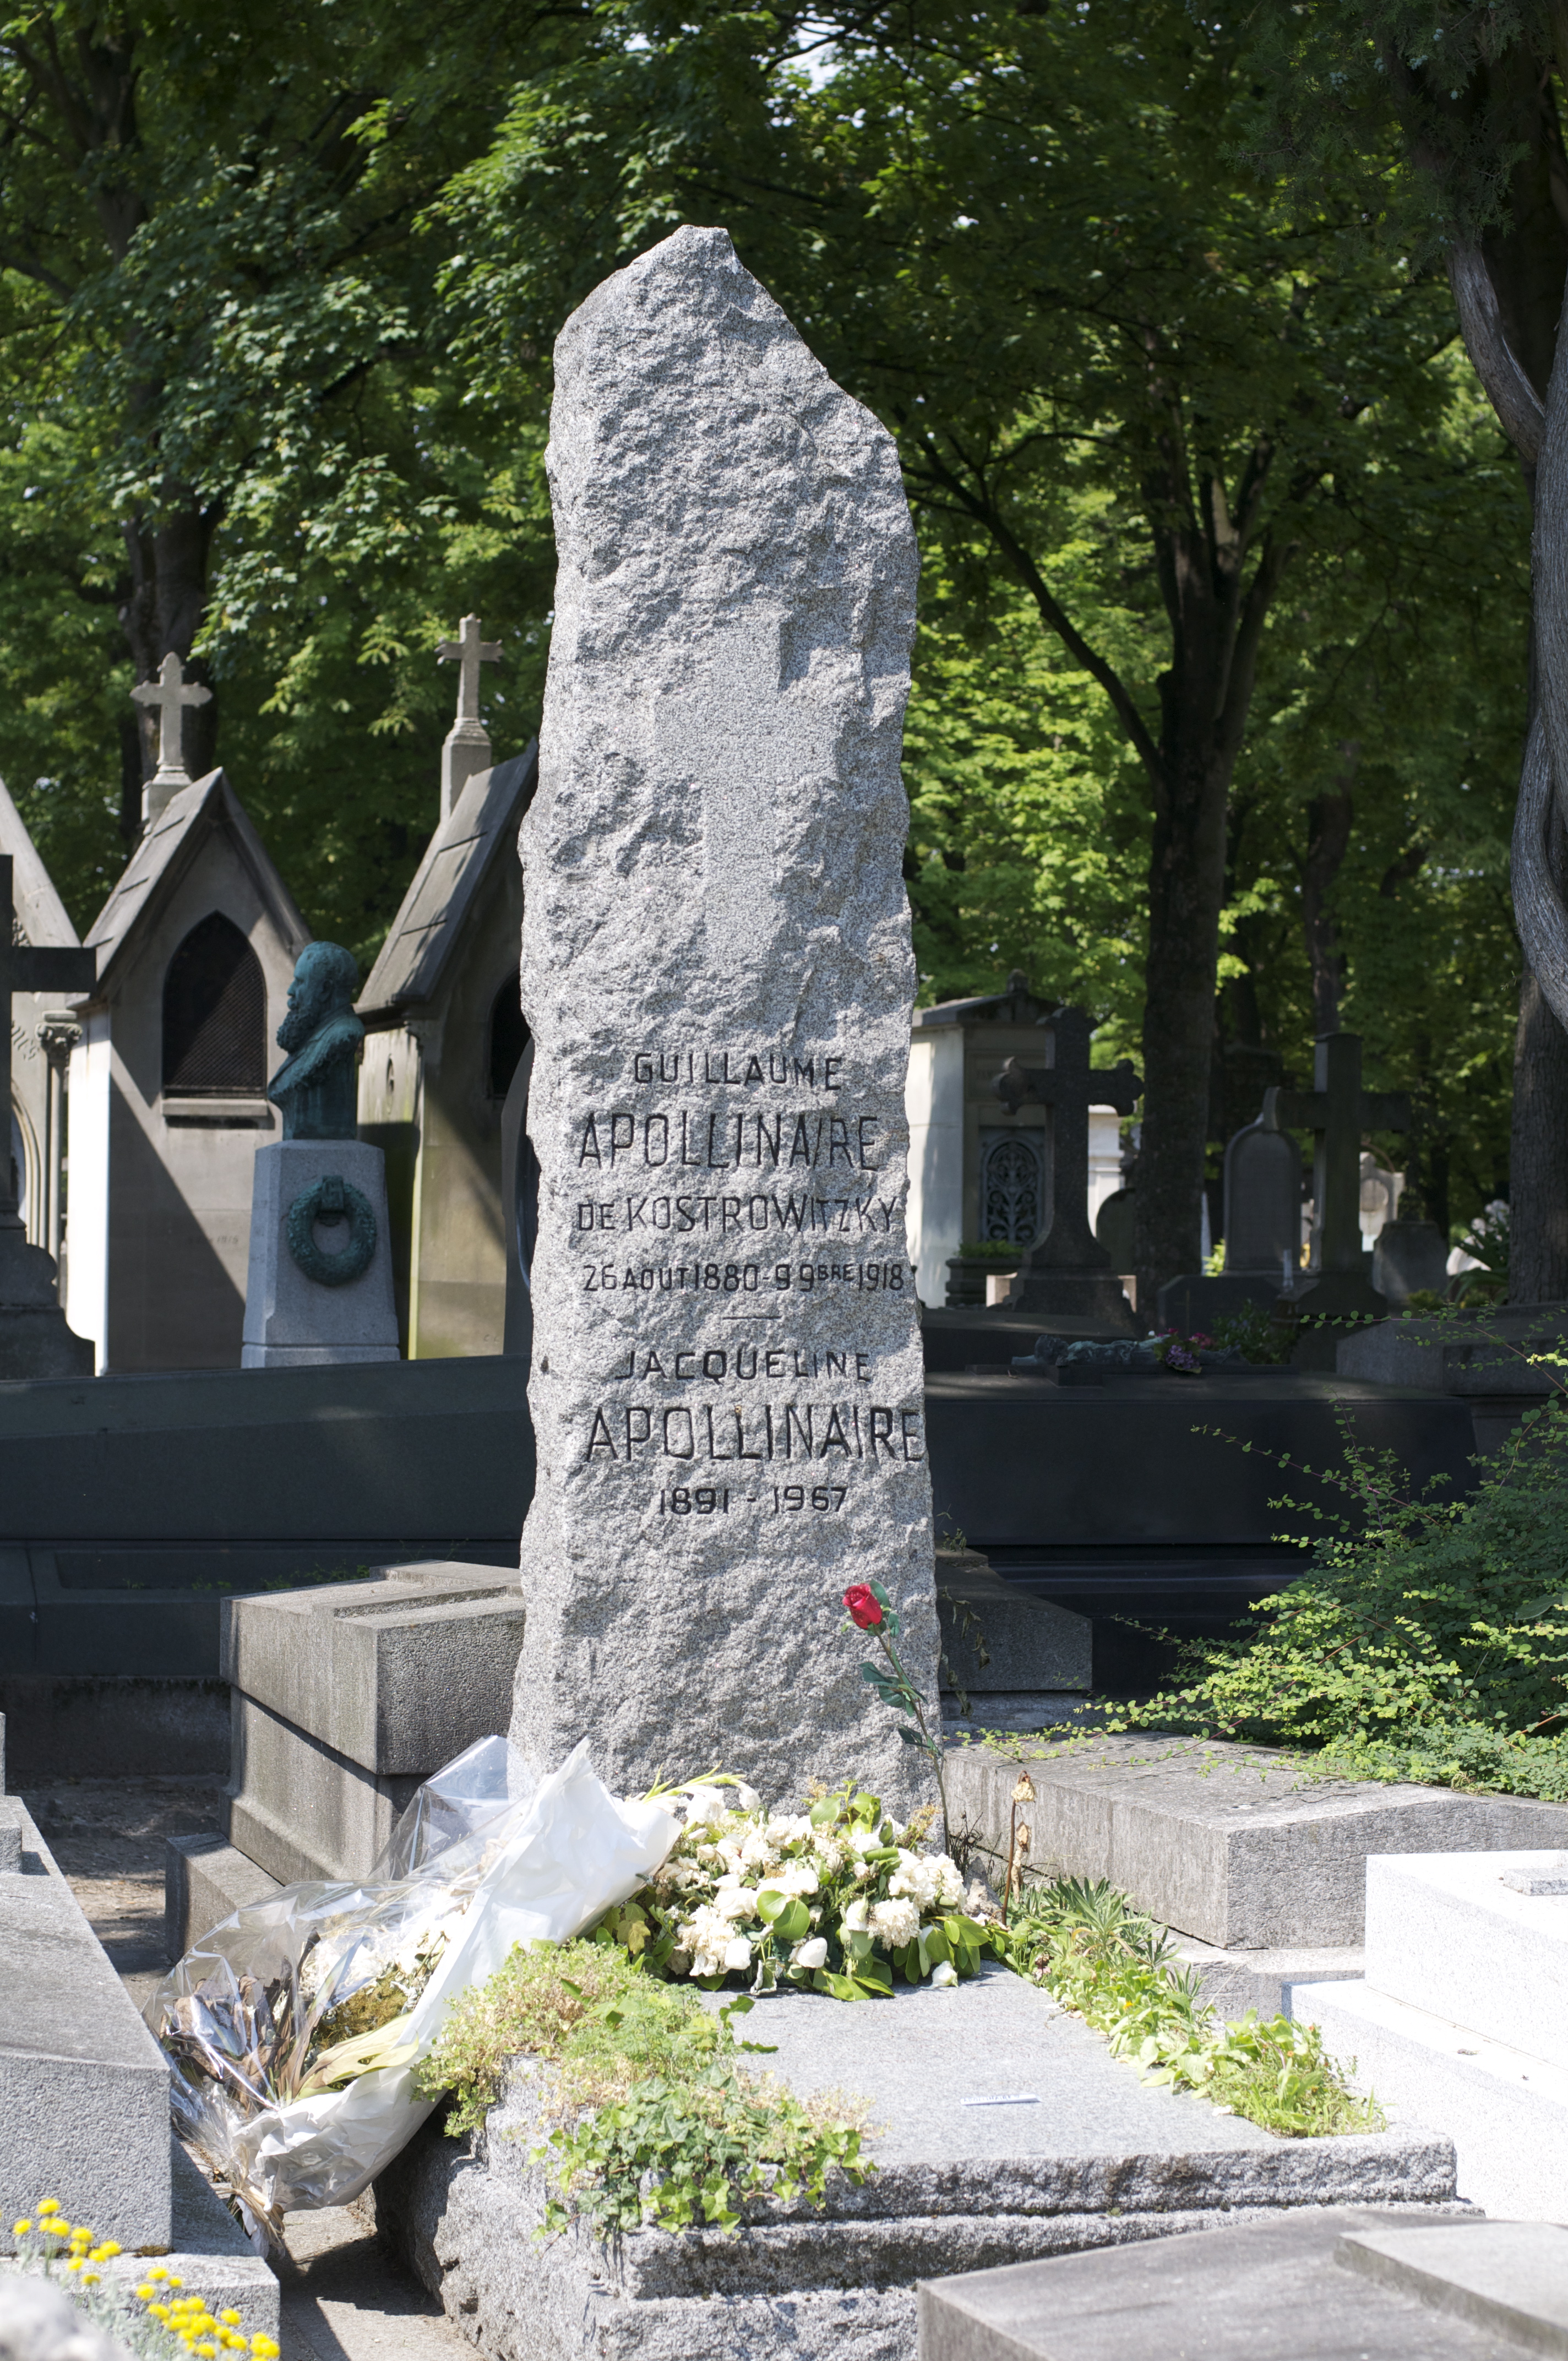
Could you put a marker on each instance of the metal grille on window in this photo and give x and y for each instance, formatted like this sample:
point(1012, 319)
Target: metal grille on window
point(1011, 1188)
point(215, 1015)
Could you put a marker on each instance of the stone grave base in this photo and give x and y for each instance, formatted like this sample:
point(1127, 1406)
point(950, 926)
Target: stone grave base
point(1339, 2282)
point(85, 2101)
point(1080, 2155)
point(1233, 1845)
point(1459, 2020)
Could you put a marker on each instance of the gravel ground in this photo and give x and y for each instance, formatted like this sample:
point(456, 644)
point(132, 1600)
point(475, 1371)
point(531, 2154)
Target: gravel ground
point(344, 2298)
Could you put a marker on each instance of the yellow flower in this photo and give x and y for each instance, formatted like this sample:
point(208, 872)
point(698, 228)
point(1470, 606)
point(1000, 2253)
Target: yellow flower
point(48, 2205)
point(229, 2319)
point(102, 2254)
point(56, 2229)
point(20, 2229)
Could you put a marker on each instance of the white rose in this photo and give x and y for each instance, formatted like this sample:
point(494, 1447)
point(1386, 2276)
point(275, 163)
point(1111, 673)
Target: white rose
point(704, 1806)
point(813, 1954)
point(855, 1917)
point(736, 1901)
point(747, 1798)
point(944, 1972)
point(738, 1953)
point(894, 1923)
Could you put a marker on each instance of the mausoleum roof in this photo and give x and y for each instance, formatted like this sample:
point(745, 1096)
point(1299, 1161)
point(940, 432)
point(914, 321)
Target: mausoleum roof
point(39, 910)
point(171, 843)
point(1017, 1004)
point(426, 930)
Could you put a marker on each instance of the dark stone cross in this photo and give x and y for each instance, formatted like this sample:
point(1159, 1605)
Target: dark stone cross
point(1068, 1272)
point(34, 1339)
point(1338, 1113)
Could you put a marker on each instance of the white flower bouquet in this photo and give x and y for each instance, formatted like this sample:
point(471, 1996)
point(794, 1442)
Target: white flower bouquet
point(834, 1898)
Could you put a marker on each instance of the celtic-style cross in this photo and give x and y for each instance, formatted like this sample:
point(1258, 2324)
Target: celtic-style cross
point(28, 967)
point(170, 693)
point(1069, 1086)
point(468, 747)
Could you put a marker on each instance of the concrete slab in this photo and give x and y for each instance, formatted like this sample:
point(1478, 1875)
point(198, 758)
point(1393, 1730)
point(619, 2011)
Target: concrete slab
point(1235, 1982)
point(1263, 2291)
point(1512, 2278)
point(206, 1881)
point(1082, 2155)
point(83, 2086)
point(299, 1808)
point(1505, 2111)
point(1232, 1844)
point(398, 1674)
point(1032, 1648)
point(1453, 1934)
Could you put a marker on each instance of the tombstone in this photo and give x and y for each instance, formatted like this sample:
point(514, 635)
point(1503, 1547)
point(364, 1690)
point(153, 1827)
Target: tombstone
point(1068, 1272)
point(319, 1283)
point(727, 1382)
point(43, 1033)
point(1410, 1257)
point(1338, 1111)
point(168, 1087)
point(444, 1034)
point(1262, 1204)
point(1262, 1234)
point(979, 1170)
point(34, 1340)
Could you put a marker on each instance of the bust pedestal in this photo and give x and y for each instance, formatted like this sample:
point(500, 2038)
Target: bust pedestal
point(337, 1192)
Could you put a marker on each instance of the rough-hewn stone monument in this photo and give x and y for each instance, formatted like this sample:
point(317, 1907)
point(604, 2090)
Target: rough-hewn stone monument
point(727, 1380)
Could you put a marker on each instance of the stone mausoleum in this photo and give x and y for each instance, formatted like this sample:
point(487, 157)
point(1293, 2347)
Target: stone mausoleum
point(444, 1034)
point(196, 946)
point(977, 1170)
point(42, 1028)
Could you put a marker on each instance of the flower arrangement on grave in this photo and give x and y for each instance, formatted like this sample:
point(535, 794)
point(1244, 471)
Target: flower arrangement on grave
point(837, 1898)
point(1180, 1355)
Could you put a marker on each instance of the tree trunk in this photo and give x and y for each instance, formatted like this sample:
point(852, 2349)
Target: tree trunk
point(1538, 1196)
point(1328, 840)
point(1187, 885)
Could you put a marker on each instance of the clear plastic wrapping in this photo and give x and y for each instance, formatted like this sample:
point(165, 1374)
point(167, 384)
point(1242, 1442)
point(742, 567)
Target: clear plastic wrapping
point(294, 2027)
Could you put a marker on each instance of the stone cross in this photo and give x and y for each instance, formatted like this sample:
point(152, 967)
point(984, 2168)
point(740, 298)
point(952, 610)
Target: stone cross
point(1069, 1086)
point(170, 693)
point(27, 967)
point(467, 747)
point(739, 751)
point(1337, 1111)
point(727, 1387)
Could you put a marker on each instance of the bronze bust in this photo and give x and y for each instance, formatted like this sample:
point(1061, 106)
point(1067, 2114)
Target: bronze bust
point(317, 1088)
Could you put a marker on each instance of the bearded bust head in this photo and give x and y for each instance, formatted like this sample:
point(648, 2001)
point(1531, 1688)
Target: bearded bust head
point(317, 1089)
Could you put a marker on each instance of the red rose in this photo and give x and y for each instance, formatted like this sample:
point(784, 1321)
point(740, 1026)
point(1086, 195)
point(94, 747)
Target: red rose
point(862, 1602)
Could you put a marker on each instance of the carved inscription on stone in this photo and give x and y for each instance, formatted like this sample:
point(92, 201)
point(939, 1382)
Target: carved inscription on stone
point(728, 1388)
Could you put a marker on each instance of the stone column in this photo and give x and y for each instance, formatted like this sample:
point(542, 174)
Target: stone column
point(727, 1385)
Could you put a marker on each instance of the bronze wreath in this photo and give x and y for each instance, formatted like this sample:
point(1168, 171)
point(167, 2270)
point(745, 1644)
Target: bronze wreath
point(330, 1198)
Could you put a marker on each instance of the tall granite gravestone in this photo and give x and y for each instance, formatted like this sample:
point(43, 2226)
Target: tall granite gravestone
point(727, 1382)
point(321, 1266)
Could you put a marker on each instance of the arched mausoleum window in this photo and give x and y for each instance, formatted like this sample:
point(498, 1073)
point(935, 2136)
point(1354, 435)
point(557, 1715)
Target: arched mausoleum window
point(1012, 1186)
point(508, 1038)
point(215, 1015)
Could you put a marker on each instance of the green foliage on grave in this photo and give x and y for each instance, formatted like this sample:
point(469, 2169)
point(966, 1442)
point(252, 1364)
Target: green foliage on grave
point(648, 2114)
point(1428, 1637)
point(1115, 1968)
